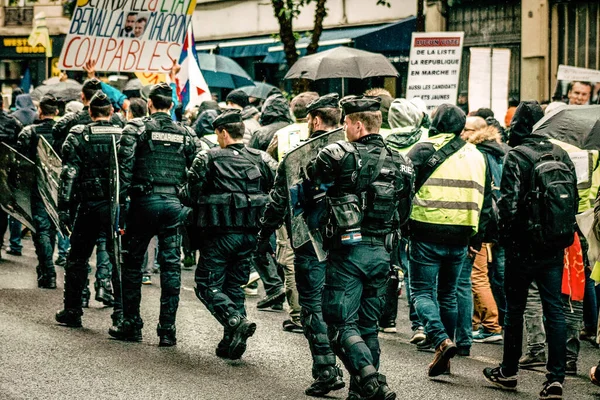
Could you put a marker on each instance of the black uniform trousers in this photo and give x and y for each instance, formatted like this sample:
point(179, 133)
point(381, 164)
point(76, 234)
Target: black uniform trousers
point(223, 268)
point(152, 215)
point(310, 280)
point(353, 300)
point(92, 219)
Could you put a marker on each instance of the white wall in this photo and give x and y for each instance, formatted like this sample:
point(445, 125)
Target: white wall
point(242, 18)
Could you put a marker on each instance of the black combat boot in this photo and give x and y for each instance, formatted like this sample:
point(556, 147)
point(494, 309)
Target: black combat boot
point(374, 387)
point(167, 335)
point(127, 330)
point(222, 349)
point(241, 330)
point(329, 378)
point(103, 292)
point(85, 296)
point(47, 282)
point(69, 317)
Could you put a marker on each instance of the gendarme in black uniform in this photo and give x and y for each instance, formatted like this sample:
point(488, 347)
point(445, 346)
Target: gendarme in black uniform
point(44, 238)
point(84, 187)
point(154, 154)
point(309, 272)
point(228, 187)
point(369, 199)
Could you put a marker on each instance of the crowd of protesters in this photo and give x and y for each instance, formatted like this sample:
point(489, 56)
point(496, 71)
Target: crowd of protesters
point(465, 283)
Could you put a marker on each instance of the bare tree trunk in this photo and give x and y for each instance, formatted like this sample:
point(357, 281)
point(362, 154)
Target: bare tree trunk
point(320, 14)
point(286, 30)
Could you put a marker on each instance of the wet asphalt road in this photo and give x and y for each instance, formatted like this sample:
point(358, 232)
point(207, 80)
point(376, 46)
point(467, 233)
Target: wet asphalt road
point(41, 360)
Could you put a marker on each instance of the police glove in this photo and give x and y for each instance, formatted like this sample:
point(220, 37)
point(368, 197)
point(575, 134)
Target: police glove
point(64, 218)
point(263, 246)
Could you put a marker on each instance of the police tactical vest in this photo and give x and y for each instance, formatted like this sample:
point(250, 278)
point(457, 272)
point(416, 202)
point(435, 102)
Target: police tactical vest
point(96, 145)
point(453, 194)
point(237, 193)
point(383, 186)
point(160, 158)
point(8, 129)
point(45, 130)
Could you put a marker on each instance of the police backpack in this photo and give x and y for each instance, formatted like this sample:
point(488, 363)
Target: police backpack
point(551, 201)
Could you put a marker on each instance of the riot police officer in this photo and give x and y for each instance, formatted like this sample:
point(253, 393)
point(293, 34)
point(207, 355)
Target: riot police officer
point(59, 134)
point(45, 230)
point(9, 129)
point(369, 199)
point(154, 153)
point(85, 187)
point(323, 116)
point(229, 187)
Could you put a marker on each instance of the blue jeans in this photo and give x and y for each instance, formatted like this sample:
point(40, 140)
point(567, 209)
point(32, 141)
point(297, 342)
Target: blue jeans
point(520, 272)
point(590, 304)
point(432, 263)
point(15, 234)
point(63, 244)
point(496, 275)
point(464, 294)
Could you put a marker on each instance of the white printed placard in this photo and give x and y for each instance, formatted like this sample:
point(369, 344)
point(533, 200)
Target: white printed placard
point(434, 67)
point(127, 35)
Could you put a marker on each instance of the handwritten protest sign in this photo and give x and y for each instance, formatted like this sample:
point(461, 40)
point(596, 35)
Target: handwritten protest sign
point(434, 67)
point(127, 35)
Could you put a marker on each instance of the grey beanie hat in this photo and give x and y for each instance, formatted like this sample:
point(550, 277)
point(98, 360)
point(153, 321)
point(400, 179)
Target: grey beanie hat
point(404, 114)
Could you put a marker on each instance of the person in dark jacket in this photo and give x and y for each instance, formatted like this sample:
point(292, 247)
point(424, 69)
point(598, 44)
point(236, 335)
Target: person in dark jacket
point(527, 261)
point(274, 116)
point(25, 112)
point(9, 129)
point(45, 231)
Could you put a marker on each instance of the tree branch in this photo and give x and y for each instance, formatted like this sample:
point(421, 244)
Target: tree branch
point(320, 14)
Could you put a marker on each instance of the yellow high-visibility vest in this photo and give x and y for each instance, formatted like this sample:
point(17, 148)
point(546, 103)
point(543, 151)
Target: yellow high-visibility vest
point(453, 194)
point(588, 173)
point(289, 137)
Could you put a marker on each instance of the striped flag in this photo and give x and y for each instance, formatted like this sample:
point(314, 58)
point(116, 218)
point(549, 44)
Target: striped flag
point(191, 86)
point(40, 34)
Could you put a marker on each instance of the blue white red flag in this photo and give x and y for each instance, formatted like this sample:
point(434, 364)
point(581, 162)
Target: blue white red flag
point(191, 86)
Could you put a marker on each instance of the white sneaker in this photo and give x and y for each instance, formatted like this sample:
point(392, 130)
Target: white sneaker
point(250, 292)
point(418, 335)
point(254, 276)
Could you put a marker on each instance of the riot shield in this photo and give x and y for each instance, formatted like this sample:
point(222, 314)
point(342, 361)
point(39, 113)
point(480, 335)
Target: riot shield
point(114, 202)
point(17, 179)
point(49, 165)
point(294, 164)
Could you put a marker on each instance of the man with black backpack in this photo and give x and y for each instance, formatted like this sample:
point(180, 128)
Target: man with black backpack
point(537, 211)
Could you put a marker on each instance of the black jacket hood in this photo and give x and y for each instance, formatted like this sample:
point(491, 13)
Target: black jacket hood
point(527, 114)
point(448, 118)
point(275, 109)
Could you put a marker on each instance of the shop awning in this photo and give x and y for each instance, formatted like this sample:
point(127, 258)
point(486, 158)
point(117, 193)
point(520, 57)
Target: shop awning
point(392, 39)
point(389, 39)
point(257, 46)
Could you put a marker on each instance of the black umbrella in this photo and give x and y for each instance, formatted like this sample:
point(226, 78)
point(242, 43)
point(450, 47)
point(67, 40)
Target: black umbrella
point(341, 62)
point(260, 91)
point(66, 91)
point(576, 125)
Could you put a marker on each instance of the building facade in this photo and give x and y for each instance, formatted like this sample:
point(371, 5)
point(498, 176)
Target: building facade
point(541, 34)
point(16, 56)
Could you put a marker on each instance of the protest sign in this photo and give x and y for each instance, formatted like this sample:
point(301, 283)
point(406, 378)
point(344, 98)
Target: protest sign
point(434, 67)
point(127, 35)
point(587, 90)
point(488, 80)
